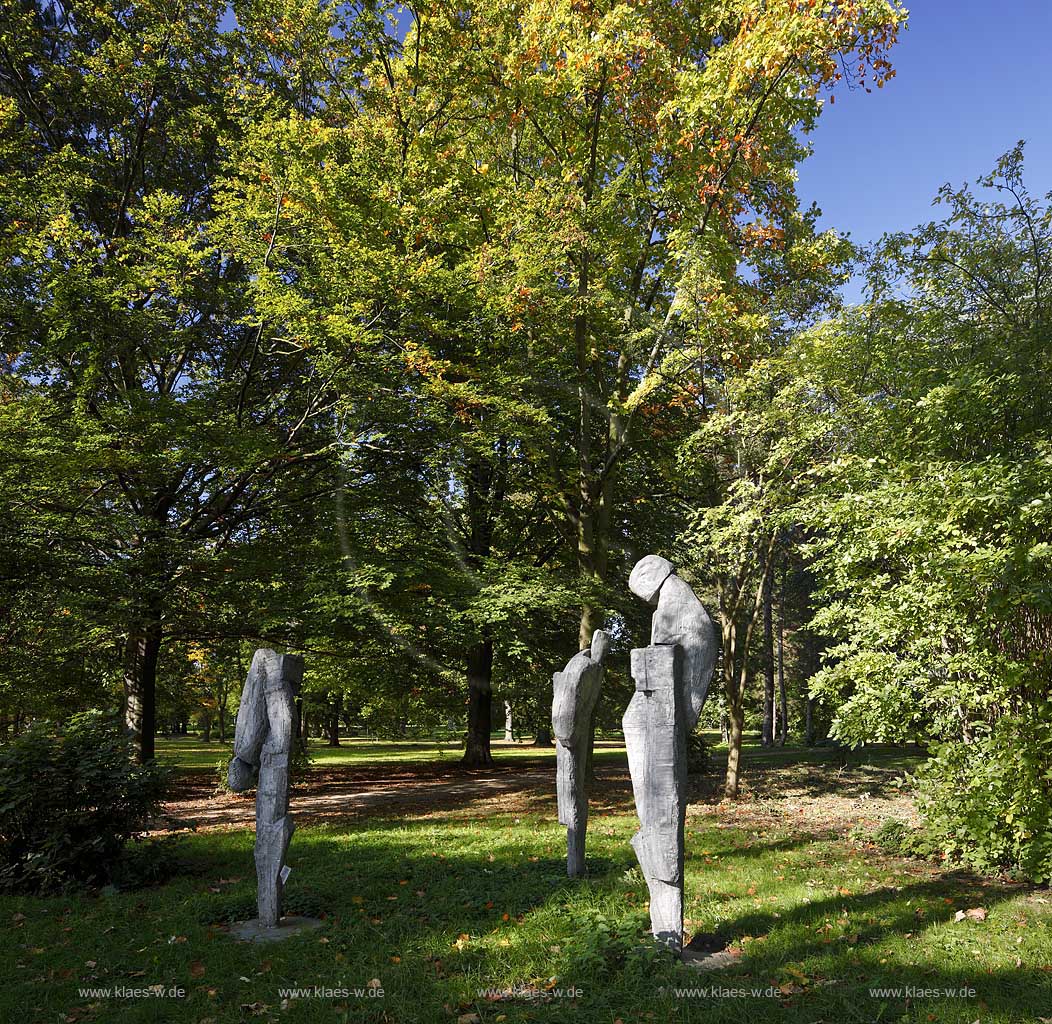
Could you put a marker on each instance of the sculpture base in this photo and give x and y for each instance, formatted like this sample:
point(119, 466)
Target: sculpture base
point(253, 931)
point(709, 952)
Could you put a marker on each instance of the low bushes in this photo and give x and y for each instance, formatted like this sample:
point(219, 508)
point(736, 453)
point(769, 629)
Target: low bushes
point(70, 799)
point(988, 803)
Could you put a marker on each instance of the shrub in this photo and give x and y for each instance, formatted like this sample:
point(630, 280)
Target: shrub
point(614, 944)
point(70, 798)
point(698, 760)
point(989, 802)
point(899, 838)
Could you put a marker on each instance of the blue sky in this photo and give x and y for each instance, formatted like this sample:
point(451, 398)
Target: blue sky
point(973, 78)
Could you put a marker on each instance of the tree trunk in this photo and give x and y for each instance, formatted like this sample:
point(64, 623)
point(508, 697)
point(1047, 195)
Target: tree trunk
point(480, 705)
point(767, 730)
point(140, 688)
point(592, 525)
point(736, 624)
point(221, 713)
point(735, 714)
point(484, 490)
point(509, 732)
point(809, 722)
point(542, 737)
point(783, 703)
point(207, 727)
point(736, 725)
point(334, 721)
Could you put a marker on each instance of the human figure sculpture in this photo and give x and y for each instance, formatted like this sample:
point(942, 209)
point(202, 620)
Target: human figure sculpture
point(263, 739)
point(576, 690)
point(672, 678)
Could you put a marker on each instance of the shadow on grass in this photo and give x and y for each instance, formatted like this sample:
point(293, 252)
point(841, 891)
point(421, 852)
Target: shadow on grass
point(440, 912)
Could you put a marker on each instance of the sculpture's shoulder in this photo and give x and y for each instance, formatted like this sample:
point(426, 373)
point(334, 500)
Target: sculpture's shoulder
point(679, 602)
point(578, 665)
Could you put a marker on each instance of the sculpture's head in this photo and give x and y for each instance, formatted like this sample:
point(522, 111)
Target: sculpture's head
point(648, 575)
point(600, 644)
point(240, 775)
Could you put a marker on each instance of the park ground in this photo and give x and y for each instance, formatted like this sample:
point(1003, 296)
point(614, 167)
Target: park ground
point(445, 899)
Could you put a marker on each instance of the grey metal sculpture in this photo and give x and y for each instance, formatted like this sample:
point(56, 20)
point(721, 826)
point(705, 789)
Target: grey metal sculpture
point(576, 690)
point(263, 739)
point(672, 679)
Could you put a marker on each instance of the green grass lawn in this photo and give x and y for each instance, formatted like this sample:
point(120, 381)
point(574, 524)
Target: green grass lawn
point(191, 752)
point(443, 912)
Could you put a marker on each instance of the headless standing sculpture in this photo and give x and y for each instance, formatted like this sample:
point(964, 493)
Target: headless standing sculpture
point(672, 678)
point(263, 741)
point(576, 690)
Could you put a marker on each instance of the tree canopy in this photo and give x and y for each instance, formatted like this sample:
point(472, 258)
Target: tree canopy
point(395, 335)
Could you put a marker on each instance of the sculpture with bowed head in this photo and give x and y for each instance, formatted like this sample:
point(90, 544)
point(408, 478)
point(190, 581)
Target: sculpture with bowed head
point(672, 679)
point(576, 690)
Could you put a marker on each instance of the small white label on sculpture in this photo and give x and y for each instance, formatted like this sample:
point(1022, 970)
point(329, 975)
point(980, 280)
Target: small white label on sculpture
point(285, 872)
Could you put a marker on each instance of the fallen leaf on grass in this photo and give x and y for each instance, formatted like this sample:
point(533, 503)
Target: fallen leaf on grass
point(469, 1018)
point(197, 969)
point(974, 914)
